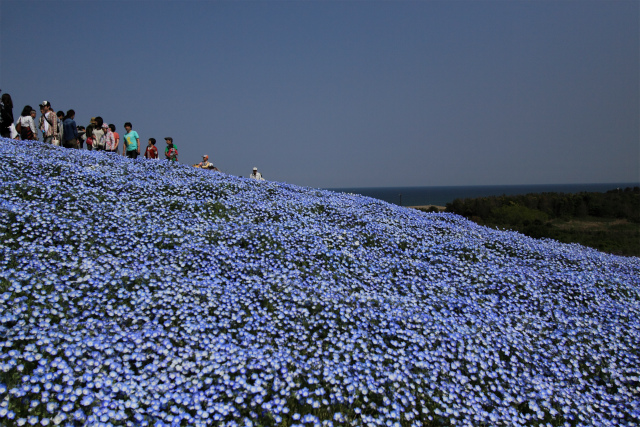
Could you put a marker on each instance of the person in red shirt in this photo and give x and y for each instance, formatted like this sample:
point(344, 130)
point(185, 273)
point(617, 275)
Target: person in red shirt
point(151, 151)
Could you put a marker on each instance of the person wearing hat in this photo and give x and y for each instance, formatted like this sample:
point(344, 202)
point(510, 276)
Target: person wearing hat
point(206, 164)
point(108, 141)
point(48, 122)
point(170, 151)
point(256, 175)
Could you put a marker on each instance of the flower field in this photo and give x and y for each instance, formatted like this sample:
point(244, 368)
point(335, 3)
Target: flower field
point(151, 293)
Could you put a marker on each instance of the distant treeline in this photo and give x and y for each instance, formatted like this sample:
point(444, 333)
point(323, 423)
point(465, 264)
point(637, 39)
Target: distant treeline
point(607, 221)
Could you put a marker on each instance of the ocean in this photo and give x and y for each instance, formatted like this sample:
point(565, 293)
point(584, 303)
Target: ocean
point(440, 196)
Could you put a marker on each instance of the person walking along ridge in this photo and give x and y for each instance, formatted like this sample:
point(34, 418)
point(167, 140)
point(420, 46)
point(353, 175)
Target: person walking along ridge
point(116, 136)
point(171, 151)
point(70, 132)
point(60, 115)
point(97, 134)
point(6, 115)
point(48, 123)
point(25, 125)
point(151, 152)
point(131, 144)
point(108, 141)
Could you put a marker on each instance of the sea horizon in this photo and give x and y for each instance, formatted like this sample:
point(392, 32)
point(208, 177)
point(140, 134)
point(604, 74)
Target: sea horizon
point(441, 195)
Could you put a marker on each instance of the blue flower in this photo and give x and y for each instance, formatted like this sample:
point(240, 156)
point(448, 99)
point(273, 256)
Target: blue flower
point(210, 297)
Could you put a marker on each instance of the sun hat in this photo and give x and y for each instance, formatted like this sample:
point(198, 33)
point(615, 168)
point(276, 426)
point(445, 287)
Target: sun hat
point(104, 125)
point(255, 168)
point(45, 104)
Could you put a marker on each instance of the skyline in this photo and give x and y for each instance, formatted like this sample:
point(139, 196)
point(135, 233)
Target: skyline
point(348, 94)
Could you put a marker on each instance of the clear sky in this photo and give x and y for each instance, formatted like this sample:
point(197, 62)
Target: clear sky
point(348, 93)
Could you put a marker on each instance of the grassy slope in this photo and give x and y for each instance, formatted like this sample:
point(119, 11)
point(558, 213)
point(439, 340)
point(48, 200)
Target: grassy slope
point(146, 292)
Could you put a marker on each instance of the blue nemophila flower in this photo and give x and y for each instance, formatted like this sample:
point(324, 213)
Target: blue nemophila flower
point(146, 293)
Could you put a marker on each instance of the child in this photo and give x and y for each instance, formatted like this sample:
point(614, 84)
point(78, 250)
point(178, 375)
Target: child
point(131, 142)
point(152, 151)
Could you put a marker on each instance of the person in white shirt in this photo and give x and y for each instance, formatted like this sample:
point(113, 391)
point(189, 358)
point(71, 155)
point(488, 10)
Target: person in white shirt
point(28, 129)
point(33, 116)
point(256, 175)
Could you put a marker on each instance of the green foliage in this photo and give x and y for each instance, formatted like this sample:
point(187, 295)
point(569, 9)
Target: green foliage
point(609, 221)
point(516, 215)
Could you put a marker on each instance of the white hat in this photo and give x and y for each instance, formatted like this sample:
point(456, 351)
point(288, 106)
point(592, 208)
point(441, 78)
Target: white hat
point(255, 168)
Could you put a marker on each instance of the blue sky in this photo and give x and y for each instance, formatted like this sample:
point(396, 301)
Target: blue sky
point(348, 94)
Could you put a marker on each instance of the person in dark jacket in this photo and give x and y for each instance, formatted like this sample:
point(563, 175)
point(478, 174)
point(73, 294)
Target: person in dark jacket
point(70, 130)
point(6, 115)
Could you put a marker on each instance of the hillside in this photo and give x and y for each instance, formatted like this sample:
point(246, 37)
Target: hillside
point(150, 293)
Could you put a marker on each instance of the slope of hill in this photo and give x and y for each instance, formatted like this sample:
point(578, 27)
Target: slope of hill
point(142, 292)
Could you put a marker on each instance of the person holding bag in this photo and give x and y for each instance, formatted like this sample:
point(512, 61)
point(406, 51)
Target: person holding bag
point(49, 124)
point(25, 126)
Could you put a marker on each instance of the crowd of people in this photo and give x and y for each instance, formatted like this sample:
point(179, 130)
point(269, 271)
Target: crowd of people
point(58, 128)
point(61, 129)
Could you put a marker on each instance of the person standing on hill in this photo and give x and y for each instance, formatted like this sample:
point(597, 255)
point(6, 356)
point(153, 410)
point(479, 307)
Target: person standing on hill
point(70, 130)
point(131, 141)
point(171, 151)
point(97, 134)
point(6, 115)
point(107, 140)
point(48, 122)
point(82, 135)
point(116, 136)
point(26, 125)
point(60, 116)
point(33, 116)
point(89, 133)
point(151, 152)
